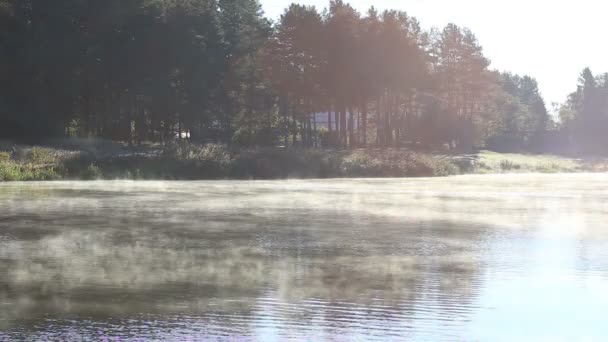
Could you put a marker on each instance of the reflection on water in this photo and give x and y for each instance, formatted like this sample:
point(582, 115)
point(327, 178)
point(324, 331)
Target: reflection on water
point(463, 258)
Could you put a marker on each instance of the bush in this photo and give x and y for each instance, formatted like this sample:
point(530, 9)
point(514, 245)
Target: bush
point(9, 171)
point(13, 171)
point(42, 156)
point(92, 172)
point(192, 161)
point(553, 167)
point(432, 166)
point(5, 157)
point(184, 150)
point(215, 154)
point(360, 164)
point(395, 163)
point(507, 165)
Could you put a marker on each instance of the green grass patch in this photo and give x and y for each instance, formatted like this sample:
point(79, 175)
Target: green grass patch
point(492, 162)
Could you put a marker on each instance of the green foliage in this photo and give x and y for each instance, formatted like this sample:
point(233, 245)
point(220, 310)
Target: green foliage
point(507, 165)
point(5, 157)
point(518, 117)
point(42, 156)
point(181, 149)
point(550, 168)
point(10, 171)
point(212, 161)
point(91, 172)
point(395, 163)
point(38, 164)
point(360, 164)
point(13, 171)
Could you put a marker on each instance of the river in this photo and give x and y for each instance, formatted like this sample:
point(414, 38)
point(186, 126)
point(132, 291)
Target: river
point(497, 257)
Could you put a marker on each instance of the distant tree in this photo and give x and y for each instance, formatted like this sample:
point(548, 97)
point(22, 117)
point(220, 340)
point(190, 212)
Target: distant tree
point(584, 117)
point(300, 61)
point(525, 118)
point(463, 81)
point(342, 23)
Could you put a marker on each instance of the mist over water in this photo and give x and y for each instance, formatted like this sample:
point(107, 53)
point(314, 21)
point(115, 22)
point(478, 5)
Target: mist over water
point(507, 257)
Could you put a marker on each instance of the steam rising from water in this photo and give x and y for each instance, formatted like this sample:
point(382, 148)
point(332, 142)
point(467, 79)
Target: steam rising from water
point(372, 259)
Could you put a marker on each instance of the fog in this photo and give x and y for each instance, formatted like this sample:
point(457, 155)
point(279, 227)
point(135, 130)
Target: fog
point(380, 259)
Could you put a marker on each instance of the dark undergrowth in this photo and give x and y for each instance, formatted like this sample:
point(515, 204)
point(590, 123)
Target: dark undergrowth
point(186, 161)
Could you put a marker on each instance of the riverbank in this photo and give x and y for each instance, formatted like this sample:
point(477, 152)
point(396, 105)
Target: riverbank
point(185, 161)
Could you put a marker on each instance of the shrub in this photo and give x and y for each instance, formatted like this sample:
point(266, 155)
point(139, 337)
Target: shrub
point(480, 165)
point(553, 167)
point(9, 171)
point(360, 164)
point(507, 165)
point(5, 157)
point(438, 167)
point(13, 171)
point(42, 173)
point(215, 154)
point(42, 156)
point(92, 172)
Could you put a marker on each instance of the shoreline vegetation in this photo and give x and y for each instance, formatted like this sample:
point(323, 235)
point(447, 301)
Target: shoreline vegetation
point(187, 161)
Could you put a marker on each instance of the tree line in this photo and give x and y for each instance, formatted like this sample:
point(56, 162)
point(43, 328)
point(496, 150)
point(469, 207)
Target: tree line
point(218, 70)
point(584, 116)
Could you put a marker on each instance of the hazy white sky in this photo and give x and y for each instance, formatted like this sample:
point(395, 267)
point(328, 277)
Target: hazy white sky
point(552, 40)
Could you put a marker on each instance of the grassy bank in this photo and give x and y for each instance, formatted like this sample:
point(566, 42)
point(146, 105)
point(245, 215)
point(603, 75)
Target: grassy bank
point(185, 161)
point(492, 162)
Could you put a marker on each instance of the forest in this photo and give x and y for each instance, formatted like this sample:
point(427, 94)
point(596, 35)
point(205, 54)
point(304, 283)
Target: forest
point(153, 71)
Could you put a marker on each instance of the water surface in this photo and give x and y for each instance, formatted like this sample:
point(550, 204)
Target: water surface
point(500, 258)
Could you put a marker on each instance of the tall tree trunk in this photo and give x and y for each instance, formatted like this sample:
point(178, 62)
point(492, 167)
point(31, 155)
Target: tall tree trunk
point(398, 135)
point(337, 124)
point(179, 126)
point(86, 126)
point(314, 128)
point(363, 128)
point(379, 123)
point(304, 142)
point(358, 127)
point(310, 133)
point(390, 110)
point(342, 124)
point(329, 129)
point(399, 123)
point(283, 109)
point(385, 119)
point(351, 128)
point(294, 126)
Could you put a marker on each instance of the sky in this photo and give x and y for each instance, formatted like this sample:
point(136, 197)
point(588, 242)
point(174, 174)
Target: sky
point(551, 40)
